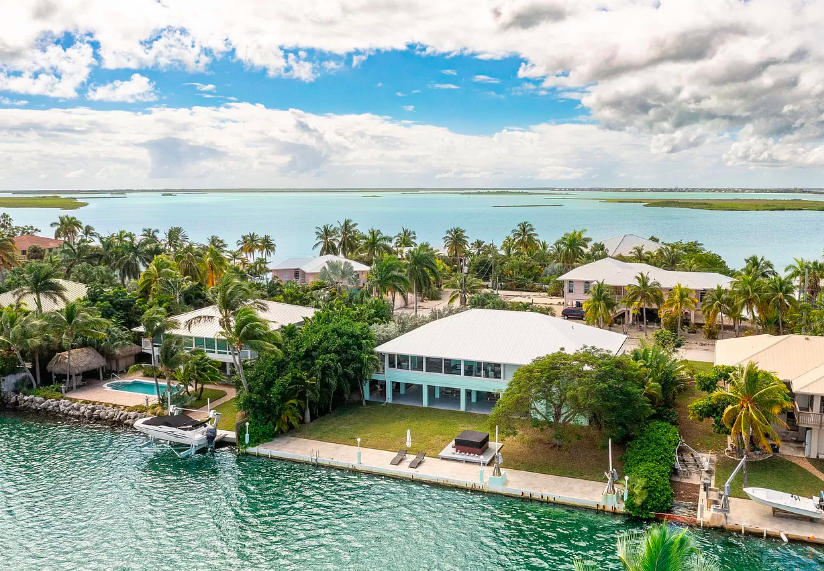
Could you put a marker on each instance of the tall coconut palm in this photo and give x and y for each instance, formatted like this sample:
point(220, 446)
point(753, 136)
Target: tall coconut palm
point(406, 238)
point(714, 305)
point(638, 254)
point(347, 237)
point(40, 280)
point(600, 305)
point(73, 322)
point(798, 270)
point(249, 330)
point(8, 255)
point(175, 238)
point(326, 236)
point(267, 246)
point(131, 257)
point(463, 286)
point(571, 247)
point(216, 242)
point(387, 277)
point(170, 358)
point(249, 244)
point(156, 323)
point(150, 235)
point(779, 294)
point(215, 265)
point(150, 279)
point(456, 243)
point(748, 288)
point(421, 270)
point(659, 548)
point(758, 267)
point(678, 300)
point(67, 228)
point(644, 292)
point(525, 238)
point(339, 274)
point(189, 261)
point(21, 332)
point(376, 244)
point(759, 399)
point(230, 295)
point(597, 251)
point(668, 256)
point(199, 370)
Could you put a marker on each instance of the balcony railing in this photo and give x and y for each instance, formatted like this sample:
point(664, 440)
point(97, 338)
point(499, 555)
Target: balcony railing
point(809, 419)
point(245, 354)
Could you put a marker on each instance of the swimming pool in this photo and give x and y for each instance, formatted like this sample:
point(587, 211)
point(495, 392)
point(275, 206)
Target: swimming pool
point(139, 387)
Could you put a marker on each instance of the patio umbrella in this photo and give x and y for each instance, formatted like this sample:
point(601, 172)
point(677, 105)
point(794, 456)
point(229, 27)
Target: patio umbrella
point(409, 439)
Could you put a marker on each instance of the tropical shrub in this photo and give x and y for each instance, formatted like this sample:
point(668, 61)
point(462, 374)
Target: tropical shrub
point(667, 340)
point(8, 363)
point(47, 392)
point(648, 462)
point(710, 331)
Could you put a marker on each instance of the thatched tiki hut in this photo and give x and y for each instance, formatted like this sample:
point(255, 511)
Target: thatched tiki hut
point(82, 360)
point(121, 358)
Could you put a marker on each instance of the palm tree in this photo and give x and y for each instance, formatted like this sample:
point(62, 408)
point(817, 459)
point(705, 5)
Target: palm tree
point(216, 242)
point(638, 254)
point(571, 247)
point(326, 237)
point(422, 270)
point(230, 295)
point(170, 358)
point(525, 238)
point(759, 399)
point(40, 281)
point(156, 322)
point(714, 305)
point(456, 243)
point(758, 267)
point(679, 299)
point(339, 274)
point(131, 256)
point(798, 270)
point(644, 292)
point(347, 237)
point(150, 235)
point(67, 228)
point(267, 246)
point(198, 371)
point(8, 254)
point(248, 329)
point(598, 251)
point(21, 332)
point(215, 265)
point(160, 267)
point(600, 305)
point(748, 288)
point(174, 238)
point(73, 322)
point(376, 244)
point(463, 286)
point(779, 293)
point(190, 262)
point(249, 244)
point(406, 238)
point(669, 257)
point(659, 548)
point(386, 277)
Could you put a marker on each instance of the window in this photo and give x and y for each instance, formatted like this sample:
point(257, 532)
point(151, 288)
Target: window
point(403, 362)
point(434, 365)
point(23, 252)
point(222, 346)
point(586, 287)
point(570, 287)
point(492, 370)
point(381, 363)
point(190, 343)
point(452, 366)
point(392, 361)
point(210, 344)
point(415, 363)
point(297, 275)
point(472, 369)
point(200, 343)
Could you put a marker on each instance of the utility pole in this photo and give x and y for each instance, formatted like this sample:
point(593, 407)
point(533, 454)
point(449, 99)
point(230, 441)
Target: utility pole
point(492, 277)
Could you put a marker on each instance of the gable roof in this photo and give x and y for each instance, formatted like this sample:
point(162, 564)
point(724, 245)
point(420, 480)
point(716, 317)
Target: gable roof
point(624, 244)
point(25, 241)
point(312, 265)
point(277, 314)
point(74, 290)
point(501, 336)
point(617, 273)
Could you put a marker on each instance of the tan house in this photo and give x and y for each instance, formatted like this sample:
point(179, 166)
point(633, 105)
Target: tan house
point(307, 270)
point(26, 241)
point(798, 360)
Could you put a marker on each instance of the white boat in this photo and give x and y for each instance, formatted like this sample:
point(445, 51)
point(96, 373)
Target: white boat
point(808, 507)
point(179, 429)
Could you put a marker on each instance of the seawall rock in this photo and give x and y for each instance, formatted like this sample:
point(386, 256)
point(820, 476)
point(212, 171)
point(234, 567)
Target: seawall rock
point(64, 407)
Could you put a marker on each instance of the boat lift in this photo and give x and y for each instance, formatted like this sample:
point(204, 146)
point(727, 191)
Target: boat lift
point(724, 508)
point(181, 449)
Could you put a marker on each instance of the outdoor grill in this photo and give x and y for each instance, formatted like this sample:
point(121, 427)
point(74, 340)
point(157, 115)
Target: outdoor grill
point(472, 442)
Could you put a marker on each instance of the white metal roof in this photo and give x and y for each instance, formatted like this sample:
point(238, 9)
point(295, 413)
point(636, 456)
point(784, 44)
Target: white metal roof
point(795, 358)
point(501, 336)
point(617, 273)
point(624, 244)
point(311, 265)
point(277, 314)
point(74, 291)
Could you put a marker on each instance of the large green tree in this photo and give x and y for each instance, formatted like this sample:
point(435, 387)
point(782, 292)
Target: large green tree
point(645, 292)
point(73, 322)
point(421, 270)
point(156, 323)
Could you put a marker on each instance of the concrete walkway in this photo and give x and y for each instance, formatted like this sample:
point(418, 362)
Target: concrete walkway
point(804, 463)
point(230, 394)
point(556, 489)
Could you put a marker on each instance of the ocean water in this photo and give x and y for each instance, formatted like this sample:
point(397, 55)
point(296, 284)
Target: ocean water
point(91, 498)
point(291, 217)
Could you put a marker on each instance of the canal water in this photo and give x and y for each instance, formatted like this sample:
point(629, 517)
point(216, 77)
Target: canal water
point(84, 497)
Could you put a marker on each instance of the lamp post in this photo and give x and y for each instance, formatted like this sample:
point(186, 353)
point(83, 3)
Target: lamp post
point(247, 434)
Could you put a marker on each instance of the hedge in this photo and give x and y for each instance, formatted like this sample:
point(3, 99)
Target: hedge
point(648, 462)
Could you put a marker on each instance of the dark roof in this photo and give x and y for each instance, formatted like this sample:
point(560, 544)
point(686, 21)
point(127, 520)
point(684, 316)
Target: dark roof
point(176, 421)
point(470, 437)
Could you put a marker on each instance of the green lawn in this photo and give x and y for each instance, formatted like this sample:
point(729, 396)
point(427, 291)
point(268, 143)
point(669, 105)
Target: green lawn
point(774, 473)
point(228, 411)
point(212, 394)
point(384, 427)
point(699, 435)
point(699, 366)
point(41, 202)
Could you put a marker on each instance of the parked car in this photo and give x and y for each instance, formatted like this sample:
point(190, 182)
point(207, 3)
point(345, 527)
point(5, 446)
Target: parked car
point(572, 313)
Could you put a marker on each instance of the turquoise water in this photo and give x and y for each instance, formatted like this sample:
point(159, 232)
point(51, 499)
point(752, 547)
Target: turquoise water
point(139, 387)
point(290, 218)
point(80, 497)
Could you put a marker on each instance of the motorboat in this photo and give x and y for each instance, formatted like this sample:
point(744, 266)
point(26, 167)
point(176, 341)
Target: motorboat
point(790, 503)
point(178, 429)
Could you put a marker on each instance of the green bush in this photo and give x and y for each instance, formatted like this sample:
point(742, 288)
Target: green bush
point(8, 363)
point(648, 462)
point(667, 340)
point(145, 370)
point(47, 392)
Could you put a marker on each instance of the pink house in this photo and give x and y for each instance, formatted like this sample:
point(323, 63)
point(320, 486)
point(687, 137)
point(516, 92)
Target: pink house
point(306, 270)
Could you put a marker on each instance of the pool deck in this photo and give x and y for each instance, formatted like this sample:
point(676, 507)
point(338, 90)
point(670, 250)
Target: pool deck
point(543, 487)
point(94, 391)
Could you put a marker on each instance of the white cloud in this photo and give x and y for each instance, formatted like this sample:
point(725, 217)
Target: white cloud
point(137, 89)
point(449, 72)
point(485, 79)
point(49, 70)
point(444, 86)
point(202, 86)
point(15, 102)
point(408, 107)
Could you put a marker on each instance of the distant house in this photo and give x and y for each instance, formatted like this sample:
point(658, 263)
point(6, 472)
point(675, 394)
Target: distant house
point(74, 291)
point(205, 333)
point(625, 245)
point(306, 270)
point(620, 275)
point(798, 360)
point(26, 241)
point(471, 356)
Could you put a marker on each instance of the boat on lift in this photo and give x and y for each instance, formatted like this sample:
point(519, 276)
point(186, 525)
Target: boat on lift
point(178, 430)
point(789, 503)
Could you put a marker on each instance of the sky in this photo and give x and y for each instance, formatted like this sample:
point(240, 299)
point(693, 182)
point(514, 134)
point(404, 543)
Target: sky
point(97, 94)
